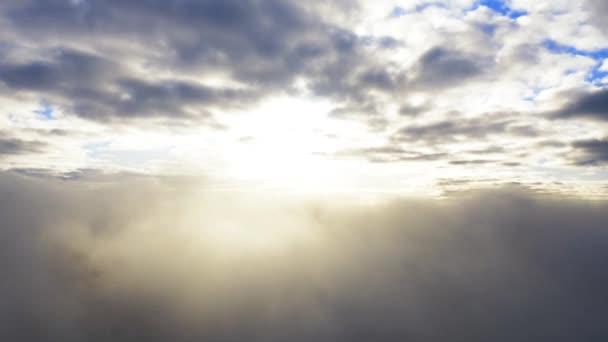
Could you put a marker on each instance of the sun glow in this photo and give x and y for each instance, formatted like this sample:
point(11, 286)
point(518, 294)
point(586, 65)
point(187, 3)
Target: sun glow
point(286, 142)
point(258, 230)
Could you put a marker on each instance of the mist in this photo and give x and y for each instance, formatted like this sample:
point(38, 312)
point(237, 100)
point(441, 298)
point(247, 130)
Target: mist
point(152, 259)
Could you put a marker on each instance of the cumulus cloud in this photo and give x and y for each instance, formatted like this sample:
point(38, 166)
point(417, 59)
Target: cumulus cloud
point(144, 259)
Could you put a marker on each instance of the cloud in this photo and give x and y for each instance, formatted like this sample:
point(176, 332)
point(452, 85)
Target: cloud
point(388, 154)
point(452, 129)
point(252, 48)
point(598, 10)
point(409, 110)
point(129, 261)
point(12, 146)
point(472, 162)
point(440, 67)
point(592, 105)
point(190, 77)
point(96, 88)
point(593, 152)
point(67, 67)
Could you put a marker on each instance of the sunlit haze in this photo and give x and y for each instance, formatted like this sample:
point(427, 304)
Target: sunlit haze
point(282, 170)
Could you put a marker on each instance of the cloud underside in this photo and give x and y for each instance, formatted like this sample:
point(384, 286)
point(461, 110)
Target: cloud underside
point(592, 105)
point(125, 59)
point(119, 262)
point(179, 50)
point(591, 152)
point(260, 47)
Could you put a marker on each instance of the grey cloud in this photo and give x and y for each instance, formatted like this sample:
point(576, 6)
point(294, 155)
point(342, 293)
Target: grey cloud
point(552, 143)
point(592, 105)
point(11, 146)
point(354, 110)
point(389, 154)
point(379, 79)
point(97, 88)
point(521, 54)
point(411, 157)
point(449, 130)
point(599, 10)
point(408, 110)
point(67, 68)
point(441, 67)
point(472, 162)
point(264, 45)
point(438, 68)
point(235, 27)
point(389, 42)
point(593, 152)
point(489, 150)
point(501, 265)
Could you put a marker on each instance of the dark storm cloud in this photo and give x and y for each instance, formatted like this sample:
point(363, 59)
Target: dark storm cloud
point(503, 265)
point(590, 105)
point(592, 152)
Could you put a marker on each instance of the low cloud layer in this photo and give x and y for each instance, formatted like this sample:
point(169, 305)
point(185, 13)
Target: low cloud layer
point(151, 259)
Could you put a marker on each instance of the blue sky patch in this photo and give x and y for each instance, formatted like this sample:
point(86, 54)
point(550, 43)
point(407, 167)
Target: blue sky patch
point(398, 12)
point(500, 6)
point(535, 92)
point(595, 76)
point(46, 112)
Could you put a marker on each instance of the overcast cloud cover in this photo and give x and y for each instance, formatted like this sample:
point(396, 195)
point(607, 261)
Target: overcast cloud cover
point(281, 170)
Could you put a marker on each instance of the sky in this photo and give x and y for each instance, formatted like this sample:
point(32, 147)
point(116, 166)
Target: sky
point(282, 170)
point(372, 97)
